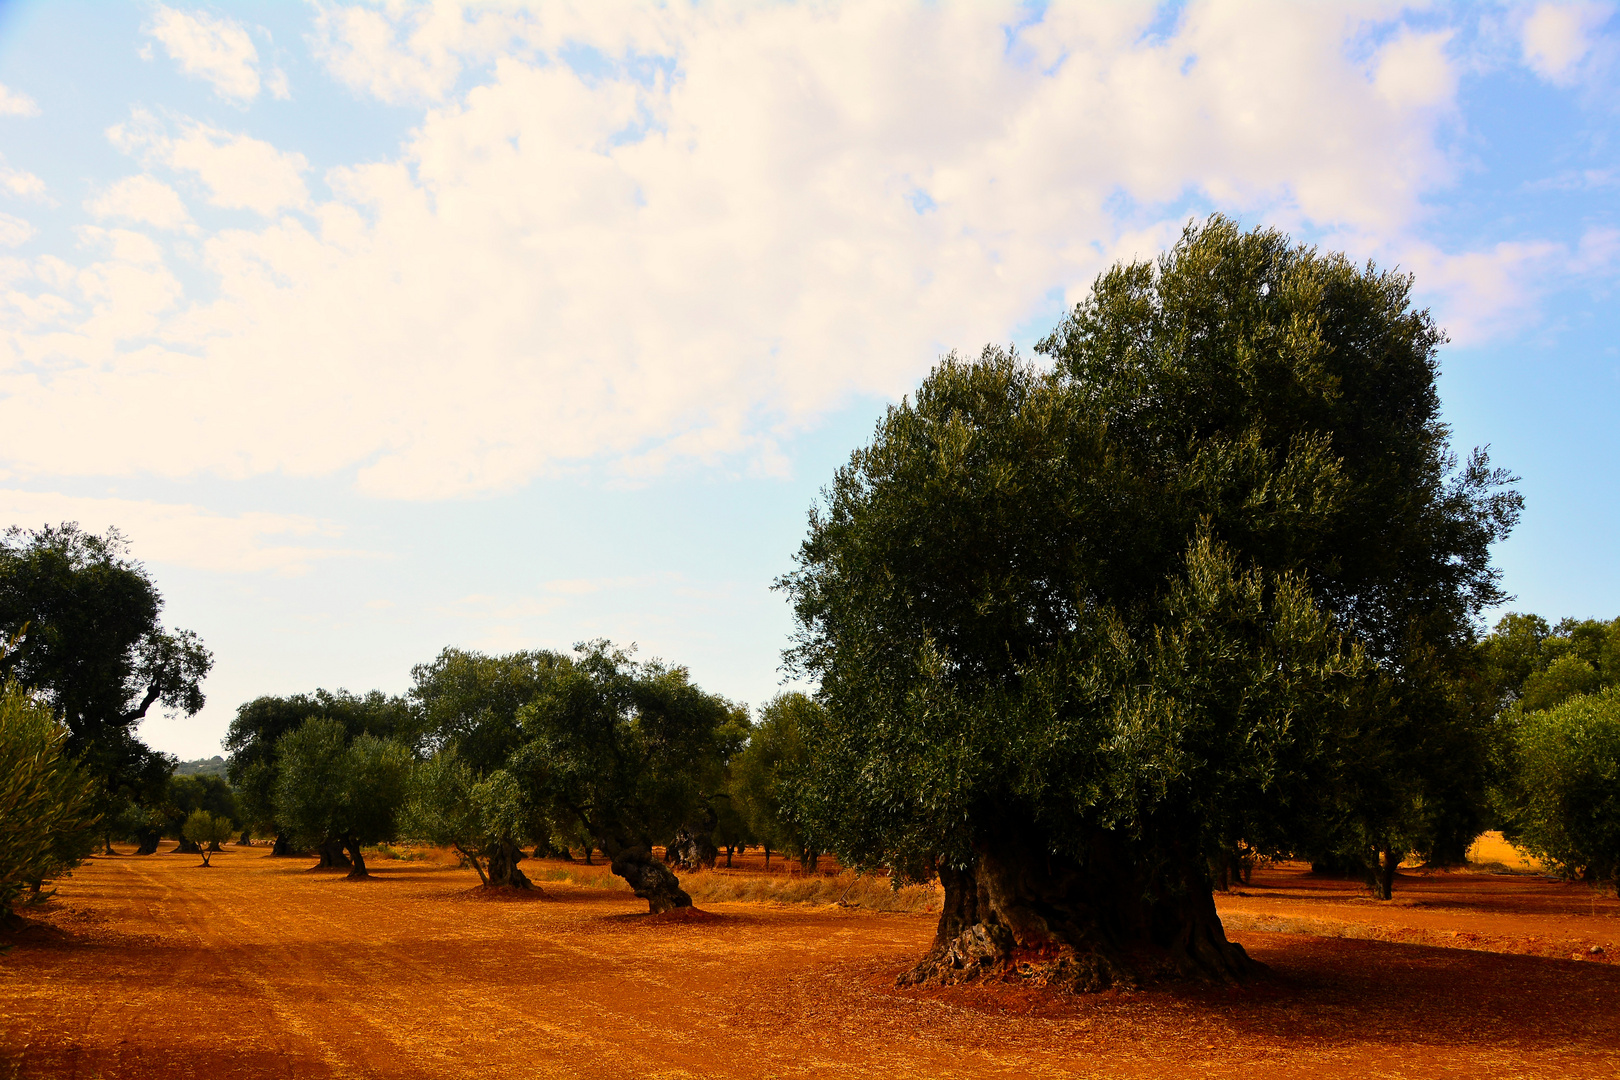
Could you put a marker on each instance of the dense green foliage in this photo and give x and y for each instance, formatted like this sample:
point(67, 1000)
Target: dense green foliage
point(762, 776)
point(1533, 666)
point(1156, 600)
point(84, 616)
point(630, 751)
point(485, 818)
point(255, 733)
point(1568, 784)
point(333, 788)
point(46, 802)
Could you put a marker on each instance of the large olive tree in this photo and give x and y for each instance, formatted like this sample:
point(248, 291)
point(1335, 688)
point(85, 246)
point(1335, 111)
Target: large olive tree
point(1081, 629)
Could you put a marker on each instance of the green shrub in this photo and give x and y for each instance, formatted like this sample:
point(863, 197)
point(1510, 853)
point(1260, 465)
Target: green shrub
point(45, 802)
point(1568, 786)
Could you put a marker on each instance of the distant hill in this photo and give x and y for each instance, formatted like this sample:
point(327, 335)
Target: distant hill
point(214, 766)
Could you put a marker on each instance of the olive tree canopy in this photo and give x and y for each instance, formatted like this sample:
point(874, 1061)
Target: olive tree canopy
point(1081, 628)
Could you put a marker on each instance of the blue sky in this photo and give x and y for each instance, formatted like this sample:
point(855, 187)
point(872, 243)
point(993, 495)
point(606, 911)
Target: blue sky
point(379, 328)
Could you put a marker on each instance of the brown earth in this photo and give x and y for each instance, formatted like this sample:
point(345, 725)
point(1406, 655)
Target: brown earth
point(148, 967)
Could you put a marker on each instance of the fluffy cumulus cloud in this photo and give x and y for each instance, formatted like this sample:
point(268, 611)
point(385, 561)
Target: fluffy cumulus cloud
point(638, 238)
point(144, 200)
point(238, 171)
point(217, 50)
point(1560, 37)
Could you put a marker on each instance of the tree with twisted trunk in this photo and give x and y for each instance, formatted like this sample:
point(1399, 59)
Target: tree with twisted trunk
point(484, 820)
point(1081, 629)
point(630, 752)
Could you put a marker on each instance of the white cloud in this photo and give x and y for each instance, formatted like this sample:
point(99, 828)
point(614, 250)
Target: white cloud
point(14, 231)
point(144, 200)
point(184, 535)
point(1558, 37)
point(411, 54)
point(13, 103)
point(23, 184)
point(240, 172)
point(215, 49)
point(729, 223)
point(1414, 70)
point(1481, 294)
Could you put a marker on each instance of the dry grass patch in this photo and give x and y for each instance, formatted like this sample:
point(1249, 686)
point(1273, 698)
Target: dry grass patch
point(849, 889)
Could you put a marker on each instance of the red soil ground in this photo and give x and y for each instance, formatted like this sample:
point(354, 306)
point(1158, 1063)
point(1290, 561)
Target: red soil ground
point(155, 967)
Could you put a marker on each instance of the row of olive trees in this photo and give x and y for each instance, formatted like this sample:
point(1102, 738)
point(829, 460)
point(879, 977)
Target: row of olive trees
point(492, 754)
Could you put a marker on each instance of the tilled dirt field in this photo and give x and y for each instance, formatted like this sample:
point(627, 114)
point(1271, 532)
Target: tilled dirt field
point(155, 967)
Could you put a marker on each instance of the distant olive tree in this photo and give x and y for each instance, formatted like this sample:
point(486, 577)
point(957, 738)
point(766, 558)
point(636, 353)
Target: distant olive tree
point(205, 831)
point(627, 753)
point(334, 791)
point(763, 774)
point(483, 818)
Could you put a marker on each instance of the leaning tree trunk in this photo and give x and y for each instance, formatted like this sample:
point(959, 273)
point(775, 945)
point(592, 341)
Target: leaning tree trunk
point(1019, 913)
point(651, 880)
point(357, 868)
point(503, 858)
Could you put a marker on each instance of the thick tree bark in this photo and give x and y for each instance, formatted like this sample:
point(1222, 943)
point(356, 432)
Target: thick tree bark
point(186, 847)
point(332, 857)
point(503, 858)
point(357, 868)
point(281, 848)
point(147, 841)
point(213, 846)
point(651, 880)
point(1019, 913)
point(246, 839)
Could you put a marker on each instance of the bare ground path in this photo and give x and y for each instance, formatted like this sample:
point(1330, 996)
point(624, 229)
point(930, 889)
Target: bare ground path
point(155, 967)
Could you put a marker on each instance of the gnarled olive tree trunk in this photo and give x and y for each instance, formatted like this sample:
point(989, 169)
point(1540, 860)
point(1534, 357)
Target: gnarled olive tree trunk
point(1020, 913)
point(282, 848)
point(147, 841)
point(332, 856)
point(503, 857)
point(651, 880)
